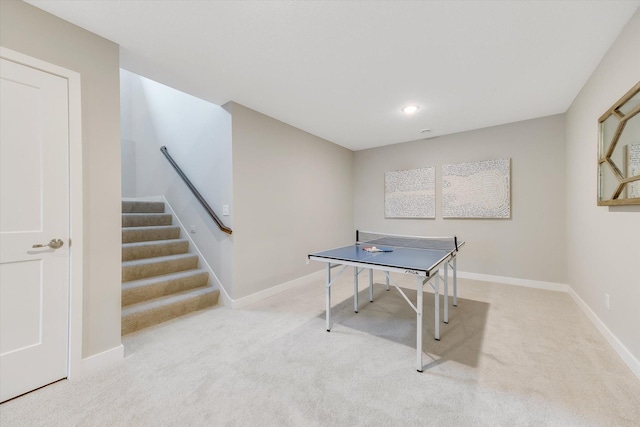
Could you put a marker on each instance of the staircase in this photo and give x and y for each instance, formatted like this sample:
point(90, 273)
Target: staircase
point(160, 278)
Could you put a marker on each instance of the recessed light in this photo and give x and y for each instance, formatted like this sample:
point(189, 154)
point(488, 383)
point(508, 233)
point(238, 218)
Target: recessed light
point(410, 109)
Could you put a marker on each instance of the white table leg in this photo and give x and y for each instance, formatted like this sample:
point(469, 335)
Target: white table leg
point(446, 292)
point(419, 326)
point(355, 289)
point(328, 298)
point(436, 298)
point(387, 277)
point(455, 282)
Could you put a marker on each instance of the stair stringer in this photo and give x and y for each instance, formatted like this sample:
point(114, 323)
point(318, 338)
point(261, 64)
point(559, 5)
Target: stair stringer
point(193, 248)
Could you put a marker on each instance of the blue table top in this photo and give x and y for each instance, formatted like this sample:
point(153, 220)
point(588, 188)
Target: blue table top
point(403, 258)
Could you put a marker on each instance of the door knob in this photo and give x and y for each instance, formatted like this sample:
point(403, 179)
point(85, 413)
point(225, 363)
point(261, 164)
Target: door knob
point(53, 244)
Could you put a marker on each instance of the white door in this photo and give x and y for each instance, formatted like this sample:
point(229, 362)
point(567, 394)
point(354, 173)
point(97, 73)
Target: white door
point(34, 210)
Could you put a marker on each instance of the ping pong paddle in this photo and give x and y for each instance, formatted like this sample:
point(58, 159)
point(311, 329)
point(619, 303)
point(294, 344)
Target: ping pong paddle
point(375, 249)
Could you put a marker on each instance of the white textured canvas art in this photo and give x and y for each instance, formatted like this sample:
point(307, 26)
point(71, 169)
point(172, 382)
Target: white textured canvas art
point(477, 190)
point(410, 193)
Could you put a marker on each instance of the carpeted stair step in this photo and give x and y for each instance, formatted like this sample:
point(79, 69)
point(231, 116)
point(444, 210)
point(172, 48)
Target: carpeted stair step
point(155, 287)
point(154, 248)
point(149, 267)
point(160, 278)
point(144, 234)
point(145, 219)
point(159, 310)
point(142, 207)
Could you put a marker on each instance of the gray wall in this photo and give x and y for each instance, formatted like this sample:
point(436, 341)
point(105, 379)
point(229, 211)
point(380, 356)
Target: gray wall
point(530, 245)
point(604, 248)
point(292, 195)
point(31, 31)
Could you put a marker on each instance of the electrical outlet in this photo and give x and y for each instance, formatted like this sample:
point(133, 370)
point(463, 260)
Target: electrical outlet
point(607, 301)
point(193, 229)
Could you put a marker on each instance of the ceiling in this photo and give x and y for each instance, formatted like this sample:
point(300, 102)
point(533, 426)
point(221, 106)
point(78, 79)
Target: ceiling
point(342, 70)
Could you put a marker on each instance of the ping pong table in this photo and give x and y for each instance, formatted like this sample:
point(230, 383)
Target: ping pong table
point(415, 255)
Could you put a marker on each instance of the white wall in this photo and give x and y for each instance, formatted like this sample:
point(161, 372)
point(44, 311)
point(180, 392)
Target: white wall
point(197, 135)
point(292, 195)
point(531, 244)
point(31, 31)
point(604, 242)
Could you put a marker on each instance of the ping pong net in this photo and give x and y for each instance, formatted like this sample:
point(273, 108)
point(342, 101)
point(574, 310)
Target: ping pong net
point(434, 243)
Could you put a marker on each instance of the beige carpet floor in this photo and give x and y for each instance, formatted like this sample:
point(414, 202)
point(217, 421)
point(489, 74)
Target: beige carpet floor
point(510, 356)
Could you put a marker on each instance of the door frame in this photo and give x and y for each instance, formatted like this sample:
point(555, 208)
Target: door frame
point(76, 239)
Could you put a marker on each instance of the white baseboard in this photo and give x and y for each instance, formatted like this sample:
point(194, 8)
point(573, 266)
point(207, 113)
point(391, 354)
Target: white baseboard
point(318, 275)
point(537, 284)
point(102, 360)
point(227, 301)
point(628, 358)
point(258, 296)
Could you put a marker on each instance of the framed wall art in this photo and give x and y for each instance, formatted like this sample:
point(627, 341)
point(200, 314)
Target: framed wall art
point(477, 190)
point(410, 193)
point(618, 152)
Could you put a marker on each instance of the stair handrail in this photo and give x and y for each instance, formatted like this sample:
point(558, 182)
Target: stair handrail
point(195, 192)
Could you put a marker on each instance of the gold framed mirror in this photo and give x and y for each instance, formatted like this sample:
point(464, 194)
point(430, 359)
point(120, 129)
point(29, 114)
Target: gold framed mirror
point(619, 152)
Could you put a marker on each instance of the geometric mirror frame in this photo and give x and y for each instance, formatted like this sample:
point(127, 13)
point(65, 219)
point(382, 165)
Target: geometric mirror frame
point(619, 152)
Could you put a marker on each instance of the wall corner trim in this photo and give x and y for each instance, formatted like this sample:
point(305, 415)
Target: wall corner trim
point(103, 360)
point(624, 353)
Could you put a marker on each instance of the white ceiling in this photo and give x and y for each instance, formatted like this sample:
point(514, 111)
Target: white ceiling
point(342, 70)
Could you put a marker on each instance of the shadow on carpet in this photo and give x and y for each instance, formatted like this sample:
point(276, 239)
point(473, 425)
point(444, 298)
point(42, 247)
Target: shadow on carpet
point(390, 317)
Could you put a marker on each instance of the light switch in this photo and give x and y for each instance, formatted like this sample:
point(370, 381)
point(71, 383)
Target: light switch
point(225, 210)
